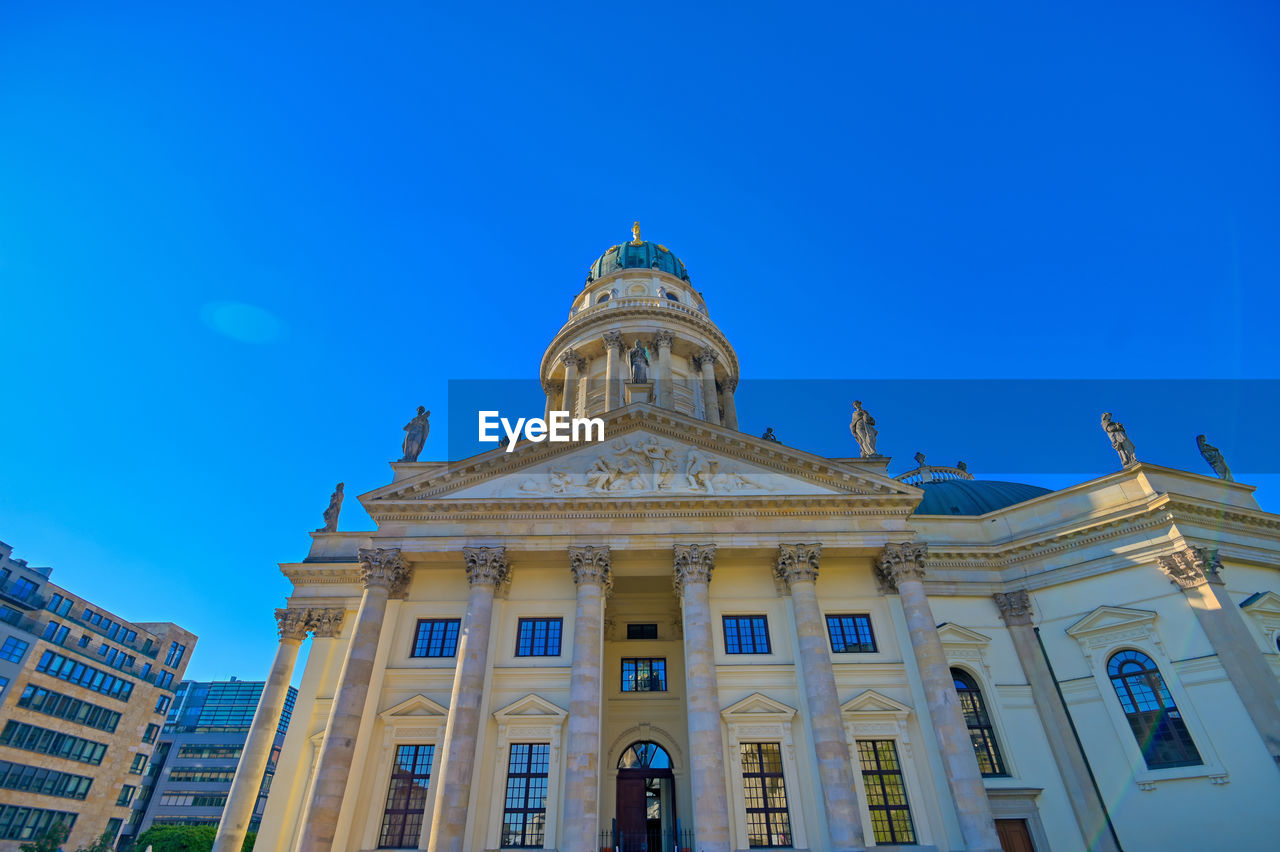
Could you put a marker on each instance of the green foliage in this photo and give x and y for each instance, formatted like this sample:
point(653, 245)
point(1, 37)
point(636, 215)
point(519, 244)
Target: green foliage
point(177, 838)
point(102, 844)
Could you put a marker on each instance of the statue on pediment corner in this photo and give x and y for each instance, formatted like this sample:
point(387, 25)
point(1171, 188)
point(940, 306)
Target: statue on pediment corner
point(1119, 440)
point(331, 513)
point(415, 438)
point(1214, 457)
point(863, 428)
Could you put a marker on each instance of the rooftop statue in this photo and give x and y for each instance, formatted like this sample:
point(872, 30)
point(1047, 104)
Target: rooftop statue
point(769, 436)
point(1214, 457)
point(416, 431)
point(863, 428)
point(635, 234)
point(1119, 440)
point(331, 513)
point(919, 457)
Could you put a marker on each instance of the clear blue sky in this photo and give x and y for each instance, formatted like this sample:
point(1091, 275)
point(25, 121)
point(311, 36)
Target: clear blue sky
point(239, 243)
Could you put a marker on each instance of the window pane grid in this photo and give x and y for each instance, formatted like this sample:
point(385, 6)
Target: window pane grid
point(436, 637)
point(644, 674)
point(851, 634)
point(981, 731)
point(406, 797)
point(524, 812)
point(1153, 715)
point(886, 792)
point(746, 634)
point(765, 792)
point(538, 637)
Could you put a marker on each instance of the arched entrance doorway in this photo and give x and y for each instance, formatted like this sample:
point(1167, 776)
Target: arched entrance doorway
point(646, 804)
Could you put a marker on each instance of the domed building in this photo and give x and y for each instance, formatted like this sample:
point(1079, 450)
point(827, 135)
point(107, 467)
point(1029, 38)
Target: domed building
point(687, 637)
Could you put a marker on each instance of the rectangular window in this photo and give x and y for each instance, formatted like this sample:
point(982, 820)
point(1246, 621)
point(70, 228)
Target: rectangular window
point(215, 752)
point(54, 603)
point(23, 823)
point(56, 665)
point(13, 649)
point(61, 706)
point(642, 631)
point(746, 634)
point(47, 782)
point(436, 637)
point(886, 792)
point(162, 703)
point(153, 729)
point(175, 655)
point(4, 684)
point(406, 797)
point(538, 637)
point(524, 813)
point(23, 588)
point(55, 743)
point(139, 764)
point(765, 791)
point(113, 828)
point(644, 674)
point(851, 634)
point(50, 629)
point(126, 795)
point(201, 775)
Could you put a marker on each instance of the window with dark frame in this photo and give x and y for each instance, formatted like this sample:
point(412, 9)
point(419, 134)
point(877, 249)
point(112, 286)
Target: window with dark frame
point(524, 813)
point(851, 634)
point(436, 637)
point(644, 674)
point(765, 791)
point(406, 797)
point(1153, 715)
point(538, 637)
point(886, 792)
point(978, 721)
point(642, 631)
point(746, 634)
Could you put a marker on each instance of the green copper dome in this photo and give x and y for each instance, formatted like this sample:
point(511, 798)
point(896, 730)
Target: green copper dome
point(637, 254)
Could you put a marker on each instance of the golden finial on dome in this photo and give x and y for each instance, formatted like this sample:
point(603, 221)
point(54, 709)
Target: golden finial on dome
point(635, 234)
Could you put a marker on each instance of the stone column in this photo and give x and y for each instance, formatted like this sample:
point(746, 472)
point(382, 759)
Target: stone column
point(705, 361)
point(487, 570)
point(384, 574)
point(1197, 572)
point(693, 566)
point(243, 795)
point(1091, 814)
point(663, 339)
point(797, 567)
point(572, 364)
point(730, 408)
point(592, 575)
point(900, 568)
point(613, 347)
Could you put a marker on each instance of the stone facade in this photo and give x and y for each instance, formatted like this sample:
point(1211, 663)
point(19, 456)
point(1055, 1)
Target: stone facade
point(651, 629)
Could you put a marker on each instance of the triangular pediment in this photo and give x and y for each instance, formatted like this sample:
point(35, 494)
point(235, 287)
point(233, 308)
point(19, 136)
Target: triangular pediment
point(1265, 603)
point(871, 701)
point(530, 707)
point(1107, 618)
point(954, 634)
point(417, 707)
point(758, 706)
point(647, 454)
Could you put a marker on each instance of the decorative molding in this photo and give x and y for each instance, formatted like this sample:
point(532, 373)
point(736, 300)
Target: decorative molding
point(707, 353)
point(487, 566)
point(613, 340)
point(326, 623)
point(1015, 607)
point(1191, 567)
point(590, 564)
point(663, 337)
point(694, 563)
point(797, 563)
point(1108, 626)
point(292, 624)
point(385, 567)
point(898, 562)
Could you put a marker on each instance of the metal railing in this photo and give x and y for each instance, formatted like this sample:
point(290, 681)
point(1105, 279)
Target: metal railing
point(677, 840)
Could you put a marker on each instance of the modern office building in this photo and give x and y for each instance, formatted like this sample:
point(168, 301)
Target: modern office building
point(687, 636)
point(83, 697)
point(198, 752)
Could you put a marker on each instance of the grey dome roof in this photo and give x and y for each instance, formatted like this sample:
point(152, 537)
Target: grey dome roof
point(974, 497)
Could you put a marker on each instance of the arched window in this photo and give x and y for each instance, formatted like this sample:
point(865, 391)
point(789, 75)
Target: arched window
point(603, 297)
point(644, 755)
point(1153, 715)
point(978, 720)
point(675, 297)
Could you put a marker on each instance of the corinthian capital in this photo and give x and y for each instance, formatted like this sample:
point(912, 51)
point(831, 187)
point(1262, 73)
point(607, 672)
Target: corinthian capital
point(292, 624)
point(326, 623)
point(900, 562)
point(730, 384)
point(694, 564)
point(662, 337)
point(591, 565)
point(571, 358)
point(798, 562)
point(706, 353)
point(613, 340)
point(1191, 567)
point(487, 566)
point(385, 567)
point(1015, 607)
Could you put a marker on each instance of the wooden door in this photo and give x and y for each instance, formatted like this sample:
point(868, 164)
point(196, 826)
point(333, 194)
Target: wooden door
point(1014, 835)
point(632, 824)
